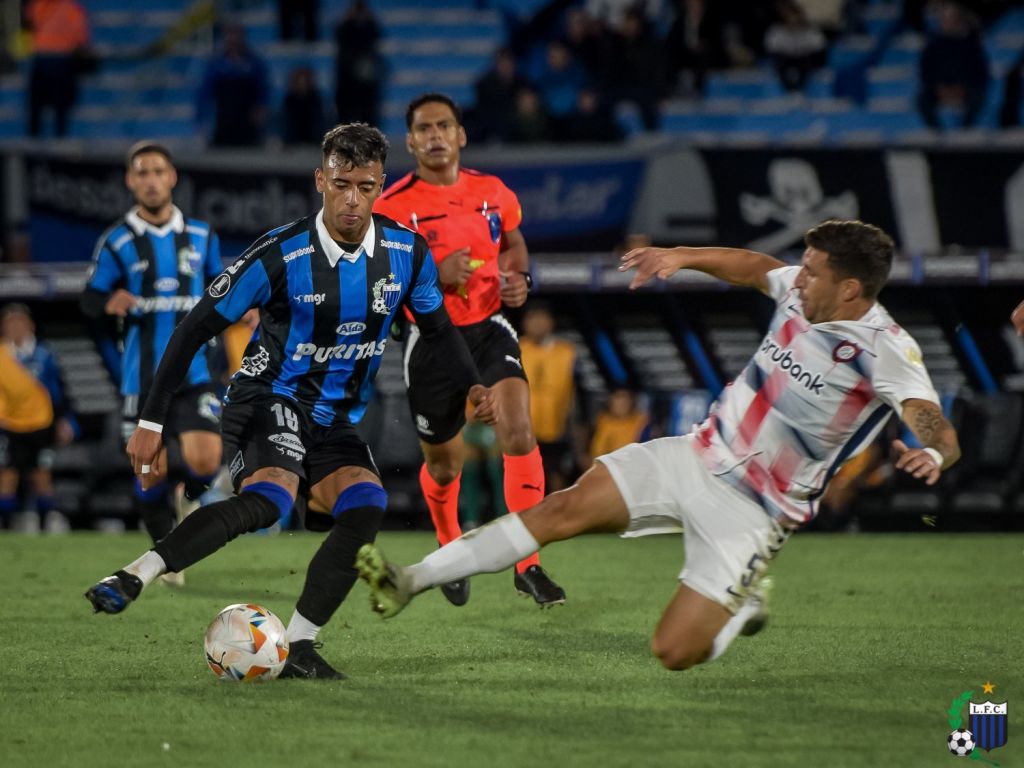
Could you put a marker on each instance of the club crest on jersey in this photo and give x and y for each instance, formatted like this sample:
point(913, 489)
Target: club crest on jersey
point(845, 351)
point(386, 295)
point(494, 222)
point(189, 260)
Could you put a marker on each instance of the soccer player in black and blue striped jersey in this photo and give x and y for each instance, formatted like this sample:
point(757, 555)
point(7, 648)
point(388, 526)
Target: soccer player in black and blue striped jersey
point(328, 287)
point(149, 269)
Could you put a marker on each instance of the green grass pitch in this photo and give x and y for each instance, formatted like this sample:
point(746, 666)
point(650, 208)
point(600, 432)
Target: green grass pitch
point(872, 637)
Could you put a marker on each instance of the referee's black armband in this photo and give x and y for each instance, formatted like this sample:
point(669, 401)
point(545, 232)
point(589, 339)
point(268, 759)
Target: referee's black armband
point(93, 303)
point(447, 344)
point(187, 339)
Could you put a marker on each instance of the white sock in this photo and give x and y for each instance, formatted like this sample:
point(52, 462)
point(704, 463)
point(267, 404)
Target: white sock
point(491, 548)
point(147, 568)
point(732, 628)
point(301, 628)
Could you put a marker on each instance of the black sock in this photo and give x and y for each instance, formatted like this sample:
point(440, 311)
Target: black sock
point(211, 527)
point(332, 571)
point(157, 516)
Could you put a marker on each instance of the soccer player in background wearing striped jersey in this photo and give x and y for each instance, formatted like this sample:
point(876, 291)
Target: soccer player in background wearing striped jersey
point(328, 287)
point(471, 223)
point(149, 269)
point(831, 370)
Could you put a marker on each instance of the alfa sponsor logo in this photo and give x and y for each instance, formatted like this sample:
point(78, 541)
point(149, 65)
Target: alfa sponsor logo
point(407, 247)
point(166, 304)
point(350, 329)
point(783, 358)
point(340, 351)
point(291, 255)
point(166, 284)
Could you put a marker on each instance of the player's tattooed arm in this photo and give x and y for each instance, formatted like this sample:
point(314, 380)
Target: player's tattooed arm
point(935, 434)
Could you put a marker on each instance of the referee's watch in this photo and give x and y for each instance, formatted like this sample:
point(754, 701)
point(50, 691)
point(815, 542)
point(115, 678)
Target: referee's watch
point(529, 280)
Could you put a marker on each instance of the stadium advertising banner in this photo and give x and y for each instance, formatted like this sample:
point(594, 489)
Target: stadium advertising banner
point(764, 199)
point(568, 205)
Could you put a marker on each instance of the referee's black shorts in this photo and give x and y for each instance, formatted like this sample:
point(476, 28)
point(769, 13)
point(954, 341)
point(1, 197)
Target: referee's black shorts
point(438, 408)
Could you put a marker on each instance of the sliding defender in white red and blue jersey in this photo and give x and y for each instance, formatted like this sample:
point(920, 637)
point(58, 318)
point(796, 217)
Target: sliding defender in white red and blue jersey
point(829, 373)
point(328, 287)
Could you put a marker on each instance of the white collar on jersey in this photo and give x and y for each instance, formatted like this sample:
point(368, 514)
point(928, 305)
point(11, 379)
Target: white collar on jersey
point(335, 252)
point(140, 226)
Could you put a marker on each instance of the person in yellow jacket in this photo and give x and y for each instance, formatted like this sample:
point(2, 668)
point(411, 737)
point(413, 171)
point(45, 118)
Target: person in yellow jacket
point(33, 413)
point(619, 424)
point(550, 366)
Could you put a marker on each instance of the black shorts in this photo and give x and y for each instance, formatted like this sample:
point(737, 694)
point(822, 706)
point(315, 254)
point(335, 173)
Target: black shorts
point(557, 457)
point(275, 432)
point(438, 408)
point(195, 409)
point(25, 451)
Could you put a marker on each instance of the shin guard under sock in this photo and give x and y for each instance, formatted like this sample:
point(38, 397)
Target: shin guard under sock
point(524, 488)
point(209, 528)
point(443, 502)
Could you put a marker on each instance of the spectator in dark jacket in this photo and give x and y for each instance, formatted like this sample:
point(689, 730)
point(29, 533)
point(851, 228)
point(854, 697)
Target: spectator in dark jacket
point(235, 89)
point(954, 68)
point(302, 114)
point(359, 68)
point(496, 96)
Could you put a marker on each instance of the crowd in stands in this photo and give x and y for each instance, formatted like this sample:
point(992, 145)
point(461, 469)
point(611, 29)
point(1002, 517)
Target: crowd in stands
point(564, 75)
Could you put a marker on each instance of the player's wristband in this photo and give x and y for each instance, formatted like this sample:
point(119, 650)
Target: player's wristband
point(152, 426)
point(936, 456)
point(529, 280)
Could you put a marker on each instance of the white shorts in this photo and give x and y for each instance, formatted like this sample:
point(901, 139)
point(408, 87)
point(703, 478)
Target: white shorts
point(728, 538)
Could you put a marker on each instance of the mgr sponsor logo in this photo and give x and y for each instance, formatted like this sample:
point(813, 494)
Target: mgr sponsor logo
point(291, 255)
point(407, 247)
point(783, 358)
point(340, 351)
point(166, 304)
point(350, 329)
point(310, 298)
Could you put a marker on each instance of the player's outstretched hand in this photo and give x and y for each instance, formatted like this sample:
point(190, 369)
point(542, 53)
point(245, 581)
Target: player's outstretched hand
point(455, 268)
point(650, 262)
point(120, 303)
point(513, 289)
point(484, 406)
point(916, 462)
point(1017, 318)
point(144, 453)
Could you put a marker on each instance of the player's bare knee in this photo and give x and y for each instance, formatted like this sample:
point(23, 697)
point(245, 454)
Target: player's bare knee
point(204, 464)
point(444, 471)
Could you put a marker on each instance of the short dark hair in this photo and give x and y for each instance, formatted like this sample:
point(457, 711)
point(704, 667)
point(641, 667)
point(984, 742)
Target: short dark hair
point(855, 250)
point(428, 98)
point(144, 147)
point(358, 144)
point(15, 308)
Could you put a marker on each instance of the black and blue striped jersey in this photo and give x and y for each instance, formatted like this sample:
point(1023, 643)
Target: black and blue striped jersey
point(325, 315)
point(168, 269)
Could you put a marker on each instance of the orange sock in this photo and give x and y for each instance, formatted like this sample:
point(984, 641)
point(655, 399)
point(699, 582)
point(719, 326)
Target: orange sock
point(443, 501)
point(524, 488)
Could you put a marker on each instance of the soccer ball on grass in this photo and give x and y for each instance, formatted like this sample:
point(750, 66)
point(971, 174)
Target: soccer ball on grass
point(246, 642)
